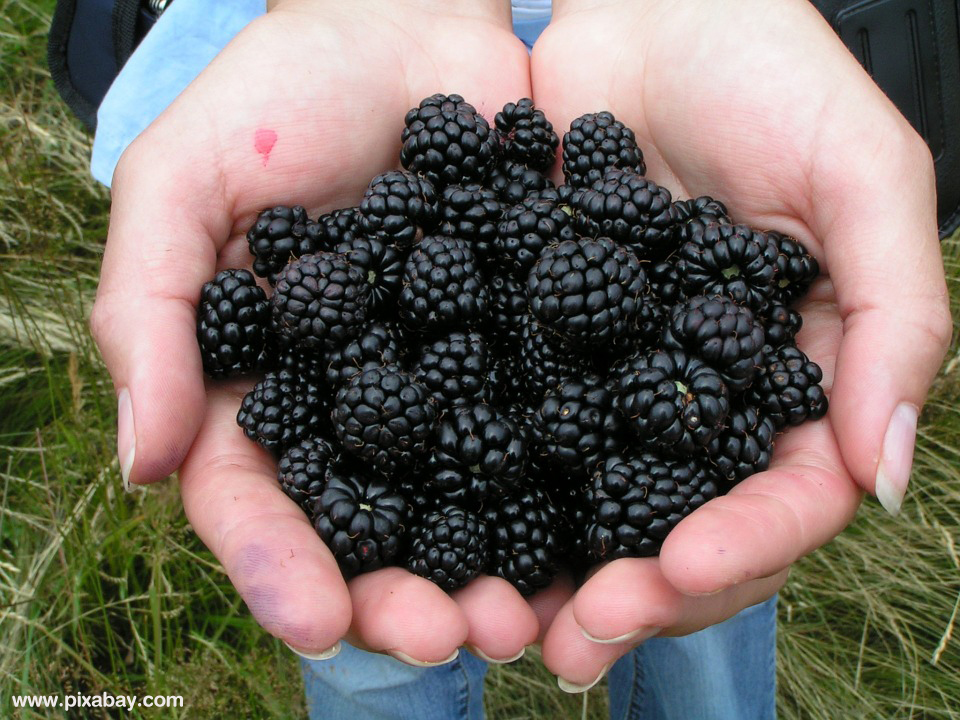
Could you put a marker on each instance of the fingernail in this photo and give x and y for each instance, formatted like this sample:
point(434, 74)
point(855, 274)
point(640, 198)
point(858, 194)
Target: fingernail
point(404, 658)
point(495, 661)
point(637, 636)
point(572, 688)
point(896, 457)
point(126, 437)
point(322, 655)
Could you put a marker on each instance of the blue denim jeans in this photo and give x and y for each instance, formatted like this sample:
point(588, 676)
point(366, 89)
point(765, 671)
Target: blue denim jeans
point(726, 672)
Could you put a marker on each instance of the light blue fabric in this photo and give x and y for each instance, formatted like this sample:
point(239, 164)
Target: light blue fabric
point(185, 39)
point(726, 672)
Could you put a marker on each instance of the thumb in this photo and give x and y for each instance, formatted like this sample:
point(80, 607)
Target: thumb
point(884, 259)
point(160, 249)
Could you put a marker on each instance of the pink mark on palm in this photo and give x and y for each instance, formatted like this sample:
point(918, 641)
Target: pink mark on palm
point(263, 142)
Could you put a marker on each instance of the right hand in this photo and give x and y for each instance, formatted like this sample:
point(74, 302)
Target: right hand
point(332, 81)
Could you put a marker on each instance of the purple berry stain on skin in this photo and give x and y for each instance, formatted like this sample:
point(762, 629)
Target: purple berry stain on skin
point(263, 142)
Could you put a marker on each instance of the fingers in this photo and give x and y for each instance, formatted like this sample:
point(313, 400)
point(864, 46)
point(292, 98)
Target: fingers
point(500, 623)
point(159, 252)
point(625, 603)
point(271, 553)
point(883, 256)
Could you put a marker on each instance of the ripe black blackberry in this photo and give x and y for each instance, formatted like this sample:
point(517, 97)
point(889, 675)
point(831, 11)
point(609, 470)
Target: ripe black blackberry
point(375, 347)
point(279, 235)
point(525, 230)
point(731, 260)
point(787, 387)
point(665, 283)
point(579, 425)
point(696, 212)
point(302, 470)
point(443, 287)
point(637, 499)
point(672, 400)
point(780, 323)
point(508, 306)
point(595, 143)
point(744, 446)
point(471, 212)
point(382, 264)
point(587, 290)
point(448, 547)
point(232, 321)
point(360, 517)
point(283, 409)
point(527, 135)
point(629, 209)
point(385, 417)
point(447, 141)
point(720, 332)
point(458, 486)
point(320, 301)
point(513, 182)
point(796, 268)
point(399, 207)
point(481, 439)
point(338, 227)
point(454, 368)
point(526, 545)
point(545, 361)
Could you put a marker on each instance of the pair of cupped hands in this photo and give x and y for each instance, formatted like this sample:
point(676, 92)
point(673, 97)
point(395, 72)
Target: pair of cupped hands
point(755, 103)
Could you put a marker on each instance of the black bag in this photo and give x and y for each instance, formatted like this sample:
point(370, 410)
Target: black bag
point(89, 42)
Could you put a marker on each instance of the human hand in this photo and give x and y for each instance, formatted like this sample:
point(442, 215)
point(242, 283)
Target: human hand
point(303, 107)
point(759, 105)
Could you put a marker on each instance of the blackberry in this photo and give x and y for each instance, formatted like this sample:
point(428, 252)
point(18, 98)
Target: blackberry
point(525, 230)
point(320, 302)
point(587, 290)
point(637, 499)
point(545, 361)
point(787, 387)
point(302, 470)
point(780, 324)
point(481, 439)
point(447, 141)
point(385, 417)
point(232, 320)
point(338, 227)
point(796, 269)
point(595, 143)
point(459, 486)
point(666, 285)
point(454, 369)
point(505, 378)
point(381, 264)
point(283, 409)
point(375, 347)
point(744, 446)
point(730, 260)
point(448, 547)
point(399, 208)
point(513, 182)
point(471, 212)
point(527, 135)
point(279, 235)
point(694, 213)
point(360, 518)
point(721, 333)
point(578, 425)
point(672, 400)
point(629, 209)
point(508, 306)
point(443, 287)
point(526, 546)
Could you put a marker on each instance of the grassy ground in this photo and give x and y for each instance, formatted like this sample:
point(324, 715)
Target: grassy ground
point(106, 592)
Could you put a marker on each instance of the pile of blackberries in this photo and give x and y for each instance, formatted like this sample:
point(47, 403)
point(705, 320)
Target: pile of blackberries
point(476, 371)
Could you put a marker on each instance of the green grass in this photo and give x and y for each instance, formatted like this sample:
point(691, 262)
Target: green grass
point(101, 591)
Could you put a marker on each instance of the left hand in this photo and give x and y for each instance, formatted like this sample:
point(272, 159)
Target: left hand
point(759, 105)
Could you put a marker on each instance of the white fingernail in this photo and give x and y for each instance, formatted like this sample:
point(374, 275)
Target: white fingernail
point(404, 658)
point(495, 661)
point(637, 635)
point(896, 457)
point(322, 655)
point(126, 438)
point(573, 688)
